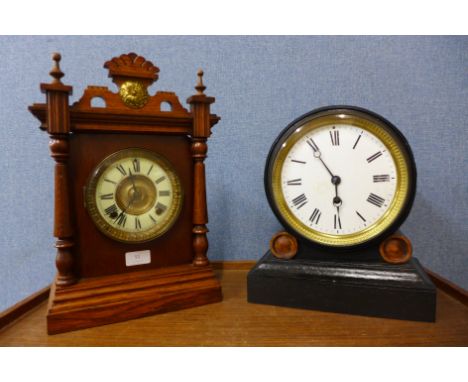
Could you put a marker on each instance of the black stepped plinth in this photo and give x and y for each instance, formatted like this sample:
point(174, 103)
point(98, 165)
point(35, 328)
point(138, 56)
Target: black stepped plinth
point(370, 287)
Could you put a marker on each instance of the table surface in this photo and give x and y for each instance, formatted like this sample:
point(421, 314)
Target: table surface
point(234, 322)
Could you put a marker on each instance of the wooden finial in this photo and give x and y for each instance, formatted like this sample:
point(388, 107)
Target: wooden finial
point(56, 73)
point(396, 249)
point(283, 245)
point(200, 87)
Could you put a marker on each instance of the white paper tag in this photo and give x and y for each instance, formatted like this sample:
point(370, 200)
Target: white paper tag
point(137, 258)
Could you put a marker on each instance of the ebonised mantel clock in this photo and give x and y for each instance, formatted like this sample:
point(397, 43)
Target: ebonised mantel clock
point(341, 180)
point(130, 200)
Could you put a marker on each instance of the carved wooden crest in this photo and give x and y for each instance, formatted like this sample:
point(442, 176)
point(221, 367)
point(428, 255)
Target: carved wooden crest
point(133, 74)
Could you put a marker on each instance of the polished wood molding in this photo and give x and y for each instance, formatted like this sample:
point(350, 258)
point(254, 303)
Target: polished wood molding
point(104, 120)
point(448, 287)
point(24, 306)
point(105, 300)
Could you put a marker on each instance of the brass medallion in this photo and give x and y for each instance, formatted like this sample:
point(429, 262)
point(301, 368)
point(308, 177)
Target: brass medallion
point(134, 94)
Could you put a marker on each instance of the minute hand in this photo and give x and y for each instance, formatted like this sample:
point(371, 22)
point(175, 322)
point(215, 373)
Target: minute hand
point(318, 154)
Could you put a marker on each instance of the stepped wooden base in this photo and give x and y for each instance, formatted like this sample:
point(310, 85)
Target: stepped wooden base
point(104, 300)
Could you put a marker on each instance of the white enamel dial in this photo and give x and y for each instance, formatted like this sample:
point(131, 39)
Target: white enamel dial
point(338, 179)
point(146, 194)
point(134, 196)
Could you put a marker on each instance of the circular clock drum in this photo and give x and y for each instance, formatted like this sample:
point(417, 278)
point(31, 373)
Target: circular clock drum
point(341, 177)
point(133, 196)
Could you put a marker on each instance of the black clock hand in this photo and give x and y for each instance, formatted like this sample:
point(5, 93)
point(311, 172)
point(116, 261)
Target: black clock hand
point(337, 200)
point(132, 199)
point(335, 179)
point(135, 190)
point(132, 180)
point(337, 217)
point(318, 154)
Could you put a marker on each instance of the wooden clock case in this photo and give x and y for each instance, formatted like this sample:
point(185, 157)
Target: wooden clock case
point(93, 285)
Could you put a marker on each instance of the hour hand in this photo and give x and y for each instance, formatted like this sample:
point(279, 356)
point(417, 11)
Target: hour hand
point(337, 216)
point(131, 178)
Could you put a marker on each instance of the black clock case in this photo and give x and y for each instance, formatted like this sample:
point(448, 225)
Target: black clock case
point(352, 280)
point(358, 111)
point(357, 283)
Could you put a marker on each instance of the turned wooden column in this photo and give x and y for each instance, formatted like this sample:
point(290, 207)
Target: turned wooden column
point(200, 108)
point(58, 127)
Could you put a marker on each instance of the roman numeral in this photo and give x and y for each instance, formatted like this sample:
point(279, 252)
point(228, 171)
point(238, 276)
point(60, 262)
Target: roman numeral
point(297, 161)
point(381, 178)
point(164, 193)
point(110, 181)
point(153, 219)
point(357, 140)
point(362, 217)
point(121, 169)
point(335, 137)
point(149, 170)
point(160, 208)
point(315, 217)
point(294, 182)
point(121, 219)
point(107, 196)
point(160, 179)
point(137, 223)
point(337, 222)
point(376, 200)
point(111, 211)
point(374, 157)
point(300, 201)
point(312, 144)
point(136, 165)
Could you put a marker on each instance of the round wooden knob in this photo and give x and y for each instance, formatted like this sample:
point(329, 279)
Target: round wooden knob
point(396, 249)
point(283, 245)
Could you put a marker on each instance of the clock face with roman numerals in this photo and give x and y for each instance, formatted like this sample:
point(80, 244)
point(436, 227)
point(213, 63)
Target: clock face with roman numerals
point(134, 196)
point(341, 177)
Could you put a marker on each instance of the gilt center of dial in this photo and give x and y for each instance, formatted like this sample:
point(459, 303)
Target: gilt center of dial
point(136, 194)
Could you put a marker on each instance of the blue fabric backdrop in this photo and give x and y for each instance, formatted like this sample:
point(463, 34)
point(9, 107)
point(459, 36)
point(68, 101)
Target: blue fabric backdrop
point(260, 85)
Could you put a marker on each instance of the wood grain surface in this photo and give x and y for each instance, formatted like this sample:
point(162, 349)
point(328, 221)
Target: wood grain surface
point(82, 135)
point(234, 322)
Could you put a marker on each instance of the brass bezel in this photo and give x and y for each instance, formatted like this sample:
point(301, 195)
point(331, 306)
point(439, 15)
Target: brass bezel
point(121, 235)
point(393, 145)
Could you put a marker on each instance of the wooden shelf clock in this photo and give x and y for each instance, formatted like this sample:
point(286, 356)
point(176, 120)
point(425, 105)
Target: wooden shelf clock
point(130, 198)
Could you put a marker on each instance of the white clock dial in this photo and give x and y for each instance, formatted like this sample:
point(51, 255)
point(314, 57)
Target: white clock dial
point(341, 177)
point(134, 195)
point(338, 179)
